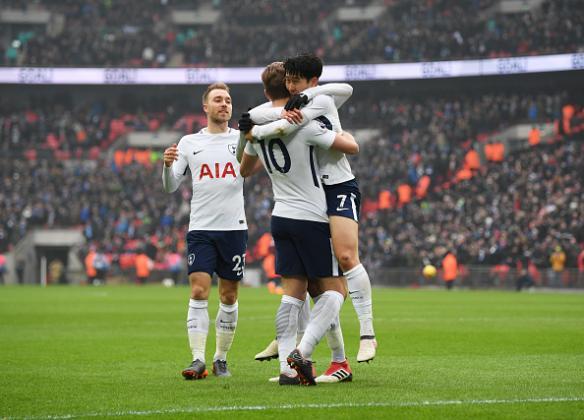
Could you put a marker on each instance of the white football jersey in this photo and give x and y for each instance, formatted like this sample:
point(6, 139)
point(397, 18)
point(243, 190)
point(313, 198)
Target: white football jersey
point(217, 202)
point(293, 169)
point(334, 166)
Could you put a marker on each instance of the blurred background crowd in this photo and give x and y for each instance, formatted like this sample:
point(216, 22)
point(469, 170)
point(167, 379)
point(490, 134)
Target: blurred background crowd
point(144, 33)
point(436, 171)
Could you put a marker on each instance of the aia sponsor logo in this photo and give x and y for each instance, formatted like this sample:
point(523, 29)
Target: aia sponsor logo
point(217, 171)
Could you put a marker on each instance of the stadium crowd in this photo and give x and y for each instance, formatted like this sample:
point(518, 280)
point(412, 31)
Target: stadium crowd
point(529, 202)
point(140, 33)
point(434, 127)
point(56, 128)
point(532, 202)
point(445, 29)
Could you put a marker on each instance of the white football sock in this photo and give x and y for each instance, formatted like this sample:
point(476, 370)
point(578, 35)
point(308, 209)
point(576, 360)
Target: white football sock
point(360, 292)
point(286, 328)
point(325, 311)
point(225, 325)
point(303, 318)
point(334, 338)
point(198, 327)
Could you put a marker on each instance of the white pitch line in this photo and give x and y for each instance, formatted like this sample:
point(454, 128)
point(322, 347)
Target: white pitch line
point(395, 404)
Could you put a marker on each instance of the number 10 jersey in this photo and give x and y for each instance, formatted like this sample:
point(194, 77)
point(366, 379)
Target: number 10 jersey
point(292, 167)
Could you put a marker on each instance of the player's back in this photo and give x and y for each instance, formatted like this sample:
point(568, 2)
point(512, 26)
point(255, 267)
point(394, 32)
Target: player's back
point(334, 166)
point(293, 169)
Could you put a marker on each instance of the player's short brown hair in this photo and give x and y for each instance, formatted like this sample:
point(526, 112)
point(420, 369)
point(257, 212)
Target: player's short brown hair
point(273, 79)
point(217, 85)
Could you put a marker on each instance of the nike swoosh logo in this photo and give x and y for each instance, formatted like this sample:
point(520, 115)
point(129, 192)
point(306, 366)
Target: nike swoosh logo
point(352, 293)
point(342, 208)
point(197, 151)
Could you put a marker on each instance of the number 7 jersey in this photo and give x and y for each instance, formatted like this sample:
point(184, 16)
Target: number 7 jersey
point(293, 169)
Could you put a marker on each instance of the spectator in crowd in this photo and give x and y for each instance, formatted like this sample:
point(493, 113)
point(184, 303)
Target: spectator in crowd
point(524, 278)
point(90, 270)
point(101, 265)
point(558, 263)
point(580, 264)
point(143, 267)
point(20, 263)
point(449, 269)
point(3, 268)
point(57, 272)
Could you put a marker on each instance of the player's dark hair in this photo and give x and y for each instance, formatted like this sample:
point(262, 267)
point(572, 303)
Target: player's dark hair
point(273, 79)
point(305, 65)
point(217, 85)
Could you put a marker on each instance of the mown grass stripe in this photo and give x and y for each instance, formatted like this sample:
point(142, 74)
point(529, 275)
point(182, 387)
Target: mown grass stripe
point(397, 404)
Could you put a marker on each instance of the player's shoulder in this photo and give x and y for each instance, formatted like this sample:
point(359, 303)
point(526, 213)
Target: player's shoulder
point(189, 138)
point(314, 128)
point(228, 135)
point(203, 134)
point(323, 100)
point(232, 132)
point(265, 105)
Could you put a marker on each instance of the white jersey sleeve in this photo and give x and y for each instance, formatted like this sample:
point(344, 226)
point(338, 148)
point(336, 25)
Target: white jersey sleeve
point(340, 92)
point(265, 113)
point(323, 106)
point(319, 106)
point(173, 176)
point(317, 134)
point(273, 126)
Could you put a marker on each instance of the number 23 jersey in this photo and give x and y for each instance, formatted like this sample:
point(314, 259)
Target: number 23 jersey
point(217, 202)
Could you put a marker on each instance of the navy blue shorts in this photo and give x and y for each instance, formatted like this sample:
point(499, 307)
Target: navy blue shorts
point(219, 251)
point(344, 199)
point(303, 248)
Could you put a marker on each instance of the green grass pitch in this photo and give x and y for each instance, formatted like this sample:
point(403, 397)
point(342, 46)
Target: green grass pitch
point(100, 352)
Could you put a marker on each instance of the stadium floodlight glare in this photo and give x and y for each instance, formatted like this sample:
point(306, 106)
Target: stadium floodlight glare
point(332, 73)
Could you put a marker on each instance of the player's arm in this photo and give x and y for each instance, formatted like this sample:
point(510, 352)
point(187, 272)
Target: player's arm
point(318, 135)
point(345, 142)
point(264, 113)
point(320, 105)
point(244, 124)
point(174, 168)
point(281, 128)
point(249, 162)
point(240, 146)
point(340, 92)
point(270, 117)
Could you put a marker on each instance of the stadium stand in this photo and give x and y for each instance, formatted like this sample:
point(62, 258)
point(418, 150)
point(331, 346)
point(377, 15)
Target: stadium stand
point(154, 33)
point(445, 29)
point(486, 168)
point(416, 204)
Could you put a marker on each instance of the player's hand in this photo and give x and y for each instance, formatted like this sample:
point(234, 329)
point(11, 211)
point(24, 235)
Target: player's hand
point(170, 155)
point(294, 116)
point(245, 123)
point(296, 101)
